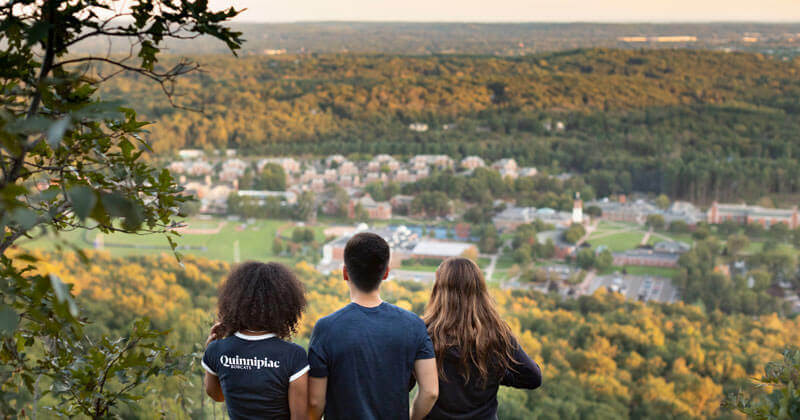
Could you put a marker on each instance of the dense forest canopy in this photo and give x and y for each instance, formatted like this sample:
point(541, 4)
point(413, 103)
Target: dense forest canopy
point(693, 124)
point(481, 38)
point(602, 356)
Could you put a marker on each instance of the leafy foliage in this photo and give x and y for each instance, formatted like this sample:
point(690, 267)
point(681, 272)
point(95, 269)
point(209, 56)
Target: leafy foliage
point(71, 161)
point(601, 355)
point(783, 377)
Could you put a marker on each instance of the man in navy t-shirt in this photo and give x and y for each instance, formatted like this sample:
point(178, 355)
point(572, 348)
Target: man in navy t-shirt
point(363, 355)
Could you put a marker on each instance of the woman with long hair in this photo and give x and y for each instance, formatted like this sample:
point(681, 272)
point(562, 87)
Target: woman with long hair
point(475, 349)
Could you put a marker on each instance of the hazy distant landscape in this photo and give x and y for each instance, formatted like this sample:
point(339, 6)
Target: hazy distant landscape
point(487, 38)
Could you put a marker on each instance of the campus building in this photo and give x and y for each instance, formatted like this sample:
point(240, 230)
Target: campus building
point(376, 210)
point(647, 258)
point(513, 217)
point(404, 244)
point(744, 214)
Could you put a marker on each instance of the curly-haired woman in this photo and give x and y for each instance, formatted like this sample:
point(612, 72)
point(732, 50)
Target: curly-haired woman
point(475, 349)
point(248, 364)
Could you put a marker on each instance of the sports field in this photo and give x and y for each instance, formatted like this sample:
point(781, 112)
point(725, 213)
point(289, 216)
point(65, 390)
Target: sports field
point(210, 238)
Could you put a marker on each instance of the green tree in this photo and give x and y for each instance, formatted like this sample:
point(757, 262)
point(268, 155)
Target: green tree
point(701, 232)
point(190, 208)
point(594, 211)
point(431, 203)
point(678, 226)
point(662, 201)
point(574, 233)
point(489, 239)
point(604, 260)
point(277, 246)
point(271, 178)
point(70, 161)
point(305, 209)
point(586, 258)
point(737, 244)
point(360, 213)
point(655, 221)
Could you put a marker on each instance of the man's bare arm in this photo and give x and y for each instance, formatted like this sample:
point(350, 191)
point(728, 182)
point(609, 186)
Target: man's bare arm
point(317, 388)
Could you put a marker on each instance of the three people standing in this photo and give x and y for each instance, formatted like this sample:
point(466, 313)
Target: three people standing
point(363, 357)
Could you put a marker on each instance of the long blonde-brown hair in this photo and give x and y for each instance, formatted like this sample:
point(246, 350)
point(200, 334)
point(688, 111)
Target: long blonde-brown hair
point(462, 315)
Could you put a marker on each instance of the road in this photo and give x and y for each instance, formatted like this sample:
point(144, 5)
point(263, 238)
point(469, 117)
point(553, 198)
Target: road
point(589, 230)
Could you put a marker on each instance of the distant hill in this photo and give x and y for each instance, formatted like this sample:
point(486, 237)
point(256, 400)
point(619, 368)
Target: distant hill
point(488, 38)
point(693, 124)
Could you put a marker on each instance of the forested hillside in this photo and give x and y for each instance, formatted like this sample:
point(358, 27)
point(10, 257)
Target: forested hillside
point(476, 38)
point(602, 357)
point(693, 124)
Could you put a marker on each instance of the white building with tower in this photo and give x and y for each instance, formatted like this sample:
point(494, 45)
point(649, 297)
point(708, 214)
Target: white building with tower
point(577, 209)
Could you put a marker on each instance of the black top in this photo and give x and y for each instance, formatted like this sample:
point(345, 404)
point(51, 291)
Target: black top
point(255, 372)
point(470, 400)
point(368, 356)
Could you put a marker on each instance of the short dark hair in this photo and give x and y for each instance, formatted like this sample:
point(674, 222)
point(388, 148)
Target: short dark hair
point(261, 297)
point(366, 257)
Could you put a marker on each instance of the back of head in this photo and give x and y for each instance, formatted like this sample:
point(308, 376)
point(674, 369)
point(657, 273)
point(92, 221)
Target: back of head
point(261, 297)
point(462, 315)
point(366, 258)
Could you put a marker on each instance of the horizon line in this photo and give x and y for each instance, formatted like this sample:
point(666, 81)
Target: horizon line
point(514, 22)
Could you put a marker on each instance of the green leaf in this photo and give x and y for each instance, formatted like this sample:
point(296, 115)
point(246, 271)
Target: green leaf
point(63, 294)
point(9, 319)
point(25, 218)
point(116, 204)
point(37, 32)
point(56, 132)
point(83, 199)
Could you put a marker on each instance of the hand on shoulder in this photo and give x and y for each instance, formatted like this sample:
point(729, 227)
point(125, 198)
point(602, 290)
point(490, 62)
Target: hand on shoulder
point(214, 333)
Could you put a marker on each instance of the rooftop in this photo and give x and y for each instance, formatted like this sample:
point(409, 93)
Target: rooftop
point(441, 249)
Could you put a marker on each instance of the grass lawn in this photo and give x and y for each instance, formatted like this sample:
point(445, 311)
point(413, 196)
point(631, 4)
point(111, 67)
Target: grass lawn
point(608, 225)
point(499, 275)
point(754, 247)
point(504, 262)
point(255, 241)
point(418, 267)
point(682, 237)
point(618, 241)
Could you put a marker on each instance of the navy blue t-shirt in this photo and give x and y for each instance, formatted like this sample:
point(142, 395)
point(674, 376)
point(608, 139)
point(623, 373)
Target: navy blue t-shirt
point(368, 356)
point(255, 372)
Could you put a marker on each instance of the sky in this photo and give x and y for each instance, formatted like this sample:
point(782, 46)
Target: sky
point(516, 10)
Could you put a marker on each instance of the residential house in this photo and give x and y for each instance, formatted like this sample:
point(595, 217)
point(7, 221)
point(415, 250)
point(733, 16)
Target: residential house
point(288, 164)
point(472, 162)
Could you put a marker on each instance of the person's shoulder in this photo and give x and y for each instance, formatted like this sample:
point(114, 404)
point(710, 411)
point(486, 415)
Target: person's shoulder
point(404, 314)
point(220, 345)
point(327, 320)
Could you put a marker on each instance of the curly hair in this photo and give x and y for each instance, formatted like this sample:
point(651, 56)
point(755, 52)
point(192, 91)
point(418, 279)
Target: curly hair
point(261, 297)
